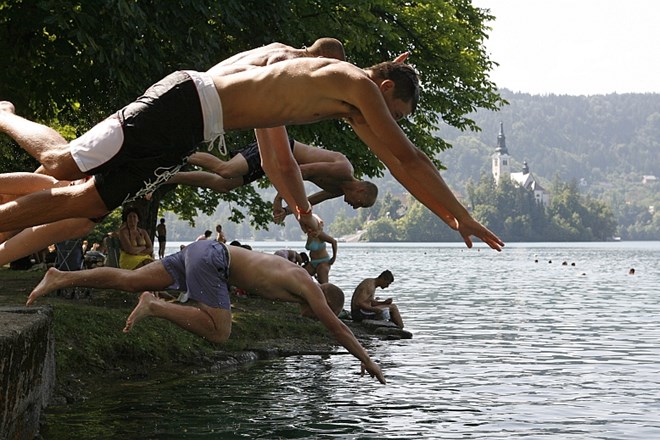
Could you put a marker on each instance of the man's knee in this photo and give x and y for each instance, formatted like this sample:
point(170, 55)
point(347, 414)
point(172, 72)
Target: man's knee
point(59, 164)
point(82, 226)
point(129, 281)
point(88, 200)
point(219, 336)
point(221, 322)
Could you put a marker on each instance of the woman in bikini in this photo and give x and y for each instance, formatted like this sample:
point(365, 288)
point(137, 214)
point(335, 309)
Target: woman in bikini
point(319, 260)
point(136, 246)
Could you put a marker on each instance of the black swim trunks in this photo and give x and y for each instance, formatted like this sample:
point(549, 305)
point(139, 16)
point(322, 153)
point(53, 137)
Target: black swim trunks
point(160, 130)
point(359, 315)
point(253, 159)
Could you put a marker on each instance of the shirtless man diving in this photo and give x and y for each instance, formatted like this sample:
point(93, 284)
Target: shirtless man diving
point(48, 147)
point(296, 91)
point(329, 170)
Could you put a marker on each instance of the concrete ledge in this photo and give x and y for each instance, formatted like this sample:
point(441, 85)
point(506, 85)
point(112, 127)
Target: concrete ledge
point(27, 369)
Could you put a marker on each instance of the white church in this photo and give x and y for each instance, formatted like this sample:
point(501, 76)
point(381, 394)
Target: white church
point(501, 167)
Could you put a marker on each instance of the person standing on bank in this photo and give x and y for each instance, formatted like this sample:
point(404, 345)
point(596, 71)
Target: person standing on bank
point(161, 233)
point(220, 236)
point(319, 259)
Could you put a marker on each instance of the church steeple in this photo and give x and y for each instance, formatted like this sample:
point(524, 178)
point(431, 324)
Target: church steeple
point(501, 141)
point(500, 159)
point(525, 169)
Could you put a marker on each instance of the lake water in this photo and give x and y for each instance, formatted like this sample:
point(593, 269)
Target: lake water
point(504, 347)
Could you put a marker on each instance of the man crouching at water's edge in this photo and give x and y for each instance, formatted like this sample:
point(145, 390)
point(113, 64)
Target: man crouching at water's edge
point(203, 270)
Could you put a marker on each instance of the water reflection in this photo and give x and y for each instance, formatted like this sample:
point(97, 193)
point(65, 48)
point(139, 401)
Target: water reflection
point(503, 347)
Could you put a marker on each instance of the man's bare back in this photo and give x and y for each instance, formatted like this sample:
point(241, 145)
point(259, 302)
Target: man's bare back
point(261, 56)
point(276, 52)
point(292, 92)
point(364, 292)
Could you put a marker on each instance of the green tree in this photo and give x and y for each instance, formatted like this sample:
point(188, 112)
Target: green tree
point(344, 225)
point(420, 224)
point(390, 207)
point(383, 230)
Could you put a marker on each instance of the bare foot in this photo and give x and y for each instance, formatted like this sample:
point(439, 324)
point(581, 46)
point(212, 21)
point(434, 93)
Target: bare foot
point(140, 311)
point(198, 159)
point(6, 106)
point(53, 280)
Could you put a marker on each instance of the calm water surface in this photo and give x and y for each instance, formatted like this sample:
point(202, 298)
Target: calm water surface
point(503, 347)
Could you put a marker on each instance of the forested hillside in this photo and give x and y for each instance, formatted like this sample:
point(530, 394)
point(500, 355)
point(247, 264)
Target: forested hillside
point(598, 138)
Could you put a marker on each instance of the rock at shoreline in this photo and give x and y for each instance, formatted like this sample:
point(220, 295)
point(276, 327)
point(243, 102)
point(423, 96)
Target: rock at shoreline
point(381, 328)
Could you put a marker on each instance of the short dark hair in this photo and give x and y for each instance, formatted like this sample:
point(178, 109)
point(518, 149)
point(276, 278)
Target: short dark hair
point(130, 210)
point(386, 276)
point(371, 193)
point(406, 80)
point(334, 296)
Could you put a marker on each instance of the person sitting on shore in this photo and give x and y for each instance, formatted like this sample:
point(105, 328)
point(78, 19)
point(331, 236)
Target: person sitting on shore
point(205, 236)
point(136, 248)
point(203, 270)
point(364, 305)
point(94, 257)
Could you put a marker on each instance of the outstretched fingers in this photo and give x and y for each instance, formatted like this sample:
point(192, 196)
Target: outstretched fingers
point(490, 239)
point(472, 227)
point(374, 371)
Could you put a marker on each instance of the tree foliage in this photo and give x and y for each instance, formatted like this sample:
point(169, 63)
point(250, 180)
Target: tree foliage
point(515, 215)
point(69, 64)
point(511, 212)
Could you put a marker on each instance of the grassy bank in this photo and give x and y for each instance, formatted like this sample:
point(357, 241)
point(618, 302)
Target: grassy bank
point(89, 338)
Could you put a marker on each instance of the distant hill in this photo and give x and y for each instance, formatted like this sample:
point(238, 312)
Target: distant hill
point(600, 139)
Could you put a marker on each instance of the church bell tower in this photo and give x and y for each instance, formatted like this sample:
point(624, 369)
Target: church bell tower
point(501, 167)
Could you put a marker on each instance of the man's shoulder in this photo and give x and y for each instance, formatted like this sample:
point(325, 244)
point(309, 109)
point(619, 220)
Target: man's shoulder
point(319, 63)
point(276, 45)
point(363, 284)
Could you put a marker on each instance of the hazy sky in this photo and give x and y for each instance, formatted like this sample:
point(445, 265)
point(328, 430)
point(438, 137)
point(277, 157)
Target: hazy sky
point(575, 47)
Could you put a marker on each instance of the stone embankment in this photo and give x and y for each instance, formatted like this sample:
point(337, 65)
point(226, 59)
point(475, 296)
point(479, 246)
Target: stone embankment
point(27, 362)
point(27, 369)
